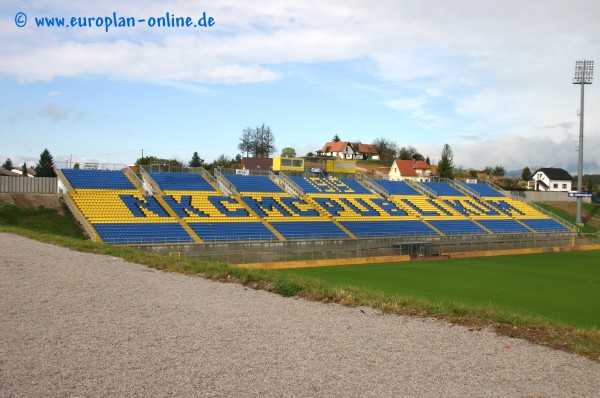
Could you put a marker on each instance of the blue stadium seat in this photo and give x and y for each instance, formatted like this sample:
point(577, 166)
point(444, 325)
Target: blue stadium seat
point(484, 190)
point(97, 179)
point(232, 231)
point(387, 228)
point(457, 227)
point(309, 230)
point(443, 189)
point(544, 225)
point(170, 181)
point(252, 183)
point(396, 187)
point(330, 185)
point(142, 233)
point(503, 226)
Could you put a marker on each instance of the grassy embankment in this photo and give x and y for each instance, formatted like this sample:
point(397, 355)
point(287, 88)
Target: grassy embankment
point(499, 314)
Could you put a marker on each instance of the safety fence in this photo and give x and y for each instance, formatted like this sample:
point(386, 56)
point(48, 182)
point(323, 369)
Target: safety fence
point(40, 185)
point(417, 247)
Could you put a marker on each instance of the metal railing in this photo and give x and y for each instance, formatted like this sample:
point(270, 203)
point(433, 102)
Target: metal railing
point(288, 184)
point(372, 186)
point(416, 246)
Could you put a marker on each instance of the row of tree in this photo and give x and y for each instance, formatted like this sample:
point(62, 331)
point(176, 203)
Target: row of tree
point(44, 167)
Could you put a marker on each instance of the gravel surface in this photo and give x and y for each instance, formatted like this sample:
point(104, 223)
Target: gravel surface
point(75, 324)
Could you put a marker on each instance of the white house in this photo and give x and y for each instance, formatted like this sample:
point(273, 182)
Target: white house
point(549, 179)
point(416, 170)
point(341, 149)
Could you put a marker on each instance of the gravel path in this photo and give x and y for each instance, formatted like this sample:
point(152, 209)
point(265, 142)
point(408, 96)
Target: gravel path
point(75, 324)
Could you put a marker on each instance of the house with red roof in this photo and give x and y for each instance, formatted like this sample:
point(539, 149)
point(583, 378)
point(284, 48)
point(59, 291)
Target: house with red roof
point(417, 170)
point(348, 150)
point(340, 149)
point(366, 152)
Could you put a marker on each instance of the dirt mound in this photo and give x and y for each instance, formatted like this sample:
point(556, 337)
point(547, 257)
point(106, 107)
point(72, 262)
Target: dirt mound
point(33, 201)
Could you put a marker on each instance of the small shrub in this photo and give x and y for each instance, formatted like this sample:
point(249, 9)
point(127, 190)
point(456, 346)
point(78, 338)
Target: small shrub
point(287, 288)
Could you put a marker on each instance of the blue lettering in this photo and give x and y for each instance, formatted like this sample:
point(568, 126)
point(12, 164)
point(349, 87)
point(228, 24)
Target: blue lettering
point(419, 210)
point(218, 203)
point(505, 207)
point(265, 206)
point(184, 207)
point(330, 205)
point(369, 211)
point(149, 203)
point(292, 204)
point(389, 207)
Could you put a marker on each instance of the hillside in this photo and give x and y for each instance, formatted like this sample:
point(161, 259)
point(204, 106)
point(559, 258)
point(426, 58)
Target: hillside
point(590, 215)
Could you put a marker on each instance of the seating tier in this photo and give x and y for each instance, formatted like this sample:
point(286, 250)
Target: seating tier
point(503, 226)
point(252, 183)
point(397, 187)
point(457, 227)
point(142, 233)
point(97, 179)
point(169, 181)
point(545, 225)
point(232, 231)
point(329, 185)
point(443, 189)
point(485, 190)
point(387, 228)
point(309, 230)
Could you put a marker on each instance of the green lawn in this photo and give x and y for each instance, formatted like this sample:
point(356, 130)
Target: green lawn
point(561, 287)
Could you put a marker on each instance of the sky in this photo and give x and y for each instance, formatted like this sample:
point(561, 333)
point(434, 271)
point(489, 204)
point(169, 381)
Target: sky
point(491, 79)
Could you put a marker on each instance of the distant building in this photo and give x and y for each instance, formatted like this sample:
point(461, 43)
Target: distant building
point(366, 152)
point(549, 179)
point(341, 149)
point(257, 164)
point(417, 170)
point(347, 150)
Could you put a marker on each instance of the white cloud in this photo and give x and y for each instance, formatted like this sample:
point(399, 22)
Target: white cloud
point(516, 152)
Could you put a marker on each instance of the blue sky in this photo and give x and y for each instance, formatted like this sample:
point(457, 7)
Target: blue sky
point(491, 79)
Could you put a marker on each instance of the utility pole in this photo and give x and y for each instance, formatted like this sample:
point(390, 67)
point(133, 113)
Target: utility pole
point(584, 74)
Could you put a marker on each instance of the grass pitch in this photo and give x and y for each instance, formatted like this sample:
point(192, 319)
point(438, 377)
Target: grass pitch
point(562, 288)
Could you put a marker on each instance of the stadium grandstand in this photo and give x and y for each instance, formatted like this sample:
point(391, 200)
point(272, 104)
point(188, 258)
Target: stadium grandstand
point(195, 207)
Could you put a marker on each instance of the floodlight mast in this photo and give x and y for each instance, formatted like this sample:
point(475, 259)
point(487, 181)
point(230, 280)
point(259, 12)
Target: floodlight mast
point(584, 74)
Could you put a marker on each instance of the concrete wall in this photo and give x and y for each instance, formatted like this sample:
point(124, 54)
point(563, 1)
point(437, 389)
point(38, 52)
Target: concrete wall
point(539, 196)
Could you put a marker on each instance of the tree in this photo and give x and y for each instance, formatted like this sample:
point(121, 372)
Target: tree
point(8, 165)
point(246, 144)
point(288, 152)
point(76, 166)
point(473, 173)
point(590, 186)
point(221, 161)
point(428, 161)
point(526, 174)
point(498, 171)
point(310, 155)
point(149, 160)
point(386, 149)
point(260, 142)
point(45, 167)
point(264, 142)
point(336, 138)
point(446, 163)
point(407, 153)
point(196, 161)
point(24, 170)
